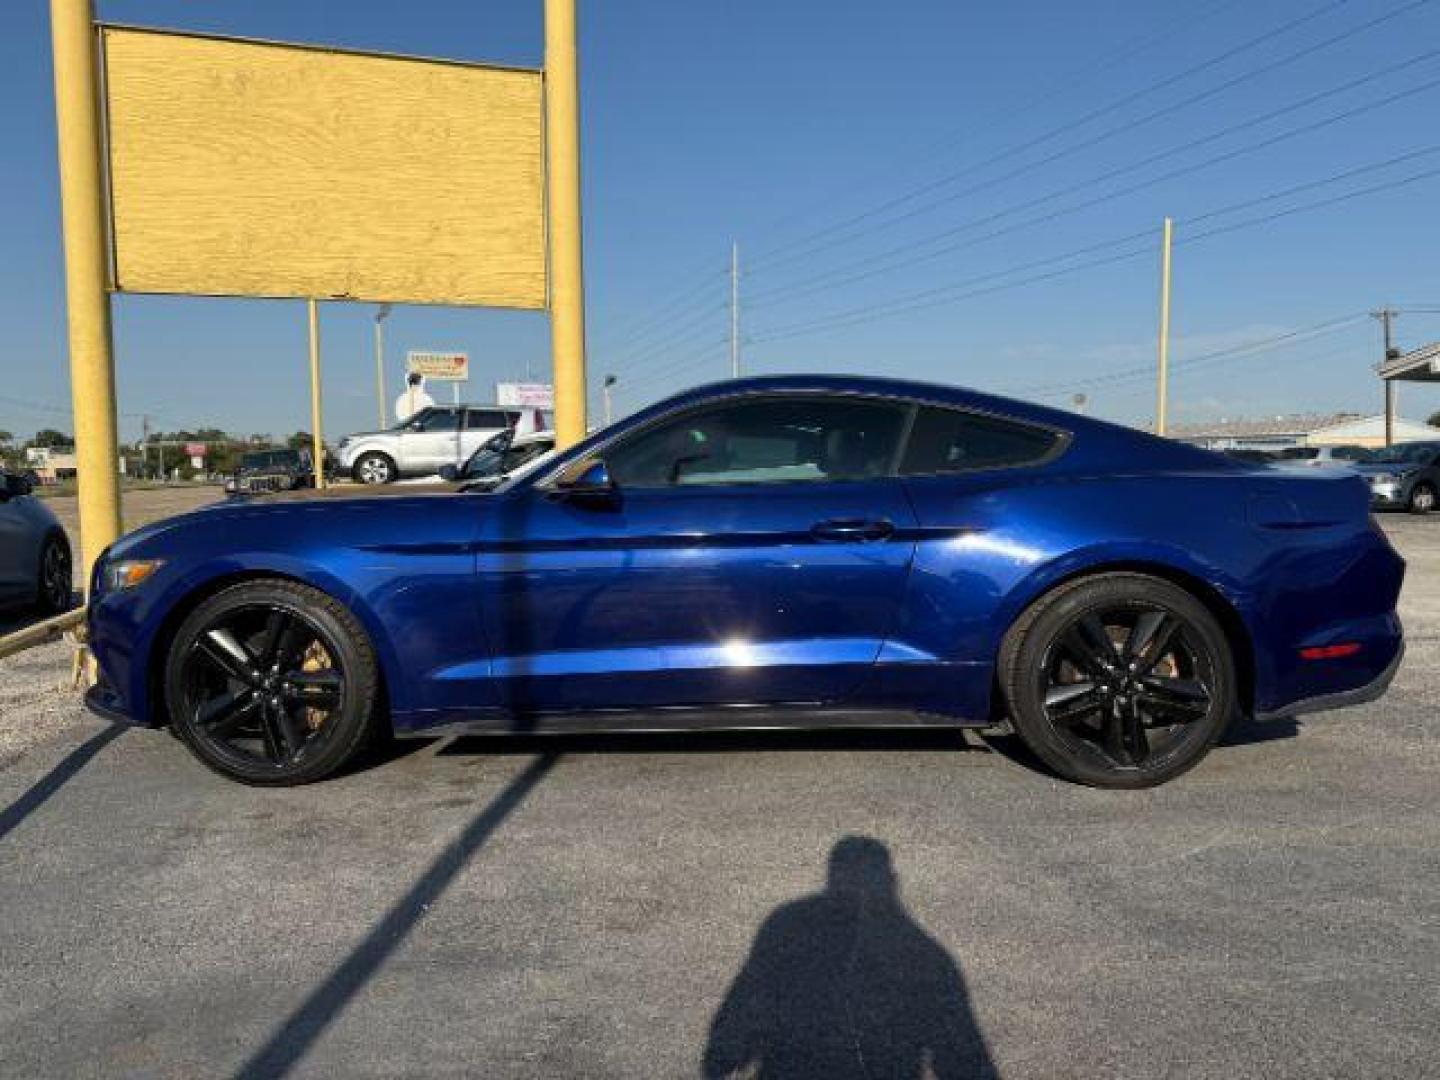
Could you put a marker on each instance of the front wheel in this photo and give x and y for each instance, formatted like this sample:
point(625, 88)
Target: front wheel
point(1119, 680)
point(272, 683)
point(56, 581)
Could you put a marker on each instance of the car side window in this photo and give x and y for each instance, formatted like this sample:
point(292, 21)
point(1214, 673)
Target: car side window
point(485, 420)
point(952, 440)
point(764, 440)
point(437, 420)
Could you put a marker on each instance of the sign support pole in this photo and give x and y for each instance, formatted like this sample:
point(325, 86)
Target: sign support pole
point(317, 437)
point(562, 175)
point(1162, 403)
point(82, 206)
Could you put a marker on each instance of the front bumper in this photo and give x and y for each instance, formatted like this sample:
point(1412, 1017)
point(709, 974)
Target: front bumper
point(102, 700)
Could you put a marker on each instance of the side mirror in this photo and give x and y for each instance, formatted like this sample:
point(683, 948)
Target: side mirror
point(449, 473)
point(588, 476)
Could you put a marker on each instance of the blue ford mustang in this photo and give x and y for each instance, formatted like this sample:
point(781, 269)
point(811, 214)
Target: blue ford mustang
point(762, 553)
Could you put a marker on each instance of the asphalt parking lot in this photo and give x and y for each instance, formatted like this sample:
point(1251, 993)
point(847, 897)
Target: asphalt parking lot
point(646, 906)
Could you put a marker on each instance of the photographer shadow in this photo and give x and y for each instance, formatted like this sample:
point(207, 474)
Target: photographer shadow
point(844, 983)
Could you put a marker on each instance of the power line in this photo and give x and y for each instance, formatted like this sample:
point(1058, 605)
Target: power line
point(1103, 136)
point(1147, 371)
point(933, 297)
point(841, 276)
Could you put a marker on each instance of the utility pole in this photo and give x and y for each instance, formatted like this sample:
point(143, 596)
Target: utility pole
point(562, 188)
point(1162, 403)
point(381, 314)
point(610, 381)
point(734, 311)
point(144, 445)
point(1386, 315)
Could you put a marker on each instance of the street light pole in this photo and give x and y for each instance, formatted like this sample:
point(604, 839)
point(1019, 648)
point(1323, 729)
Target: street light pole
point(381, 314)
point(610, 381)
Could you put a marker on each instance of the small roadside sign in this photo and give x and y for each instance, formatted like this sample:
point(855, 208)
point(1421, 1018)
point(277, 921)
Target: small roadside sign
point(439, 366)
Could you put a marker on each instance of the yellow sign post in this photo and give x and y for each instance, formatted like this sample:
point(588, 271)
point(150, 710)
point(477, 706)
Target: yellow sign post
point(82, 208)
point(562, 169)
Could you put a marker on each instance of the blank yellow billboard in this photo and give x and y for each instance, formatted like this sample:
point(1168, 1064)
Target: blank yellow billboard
point(241, 168)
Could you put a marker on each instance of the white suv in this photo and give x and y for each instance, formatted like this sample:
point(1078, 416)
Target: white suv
point(432, 438)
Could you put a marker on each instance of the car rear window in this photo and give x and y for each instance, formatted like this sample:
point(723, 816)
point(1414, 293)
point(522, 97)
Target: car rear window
point(950, 440)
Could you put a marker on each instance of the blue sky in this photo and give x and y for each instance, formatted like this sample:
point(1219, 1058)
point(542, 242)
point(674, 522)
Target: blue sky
point(803, 130)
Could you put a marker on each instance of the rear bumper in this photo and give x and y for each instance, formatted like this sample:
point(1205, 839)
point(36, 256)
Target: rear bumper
point(1341, 699)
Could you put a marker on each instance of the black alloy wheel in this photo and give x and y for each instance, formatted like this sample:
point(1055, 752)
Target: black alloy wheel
point(56, 586)
point(1121, 680)
point(272, 683)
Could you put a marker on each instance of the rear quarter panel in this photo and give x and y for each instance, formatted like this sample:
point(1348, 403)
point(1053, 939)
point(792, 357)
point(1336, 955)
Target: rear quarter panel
point(1294, 559)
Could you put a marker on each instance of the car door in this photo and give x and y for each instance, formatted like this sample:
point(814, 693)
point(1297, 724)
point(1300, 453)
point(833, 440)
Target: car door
point(753, 551)
point(430, 441)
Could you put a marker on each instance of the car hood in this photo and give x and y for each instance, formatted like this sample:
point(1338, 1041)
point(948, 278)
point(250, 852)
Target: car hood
point(280, 514)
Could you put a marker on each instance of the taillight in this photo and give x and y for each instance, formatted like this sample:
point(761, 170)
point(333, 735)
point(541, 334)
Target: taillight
point(1330, 652)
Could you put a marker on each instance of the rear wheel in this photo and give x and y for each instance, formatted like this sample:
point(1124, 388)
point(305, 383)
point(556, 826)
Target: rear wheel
point(1119, 680)
point(374, 468)
point(272, 683)
point(1422, 498)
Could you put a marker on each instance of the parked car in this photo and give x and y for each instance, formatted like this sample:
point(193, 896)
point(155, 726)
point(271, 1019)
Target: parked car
point(431, 439)
point(1323, 456)
point(35, 561)
point(818, 549)
point(501, 458)
point(1404, 477)
point(271, 470)
point(1254, 457)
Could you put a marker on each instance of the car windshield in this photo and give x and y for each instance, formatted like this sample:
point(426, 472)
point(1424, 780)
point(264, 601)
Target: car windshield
point(1412, 454)
point(1298, 453)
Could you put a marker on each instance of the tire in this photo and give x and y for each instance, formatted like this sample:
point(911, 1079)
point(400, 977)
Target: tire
point(1422, 498)
point(1159, 671)
point(273, 683)
point(55, 585)
point(374, 467)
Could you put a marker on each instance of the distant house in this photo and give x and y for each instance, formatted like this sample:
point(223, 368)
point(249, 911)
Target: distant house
point(1280, 432)
point(51, 464)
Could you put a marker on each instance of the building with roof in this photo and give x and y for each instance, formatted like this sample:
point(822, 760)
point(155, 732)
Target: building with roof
point(1307, 429)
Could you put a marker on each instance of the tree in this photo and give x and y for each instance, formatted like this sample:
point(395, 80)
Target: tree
point(49, 437)
point(1434, 420)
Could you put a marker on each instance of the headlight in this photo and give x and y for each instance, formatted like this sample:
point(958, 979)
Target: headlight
point(1382, 478)
point(129, 573)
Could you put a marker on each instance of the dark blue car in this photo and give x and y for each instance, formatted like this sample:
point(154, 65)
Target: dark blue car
point(771, 552)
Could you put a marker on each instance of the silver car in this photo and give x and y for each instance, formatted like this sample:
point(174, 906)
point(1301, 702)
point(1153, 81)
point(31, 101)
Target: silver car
point(431, 439)
point(35, 566)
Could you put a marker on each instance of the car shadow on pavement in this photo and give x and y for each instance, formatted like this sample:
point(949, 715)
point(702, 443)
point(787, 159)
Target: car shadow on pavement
point(922, 739)
point(56, 778)
point(845, 983)
point(290, 1042)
